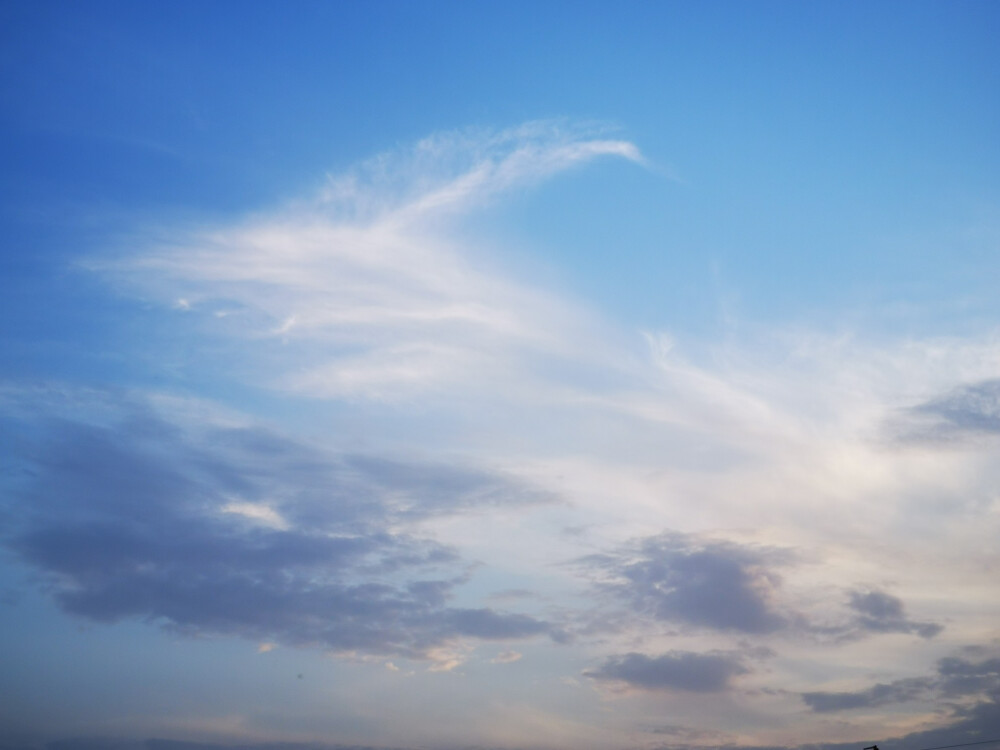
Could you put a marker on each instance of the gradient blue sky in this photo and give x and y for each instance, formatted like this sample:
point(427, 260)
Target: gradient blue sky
point(522, 375)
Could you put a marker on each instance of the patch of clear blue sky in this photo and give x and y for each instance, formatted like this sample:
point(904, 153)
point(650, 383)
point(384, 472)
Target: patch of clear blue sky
point(829, 156)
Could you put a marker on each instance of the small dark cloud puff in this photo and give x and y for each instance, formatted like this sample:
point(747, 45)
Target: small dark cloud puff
point(955, 677)
point(239, 531)
point(880, 612)
point(676, 670)
point(686, 580)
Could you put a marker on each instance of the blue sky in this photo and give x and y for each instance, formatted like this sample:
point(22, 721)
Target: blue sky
point(521, 376)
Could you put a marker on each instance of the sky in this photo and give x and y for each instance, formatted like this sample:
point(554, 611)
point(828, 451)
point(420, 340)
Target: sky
point(517, 376)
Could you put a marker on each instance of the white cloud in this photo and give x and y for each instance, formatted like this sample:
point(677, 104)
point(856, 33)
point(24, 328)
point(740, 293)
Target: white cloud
point(257, 512)
point(507, 657)
point(369, 278)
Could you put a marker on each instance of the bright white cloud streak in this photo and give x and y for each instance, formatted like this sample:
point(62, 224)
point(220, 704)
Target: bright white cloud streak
point(368, 275)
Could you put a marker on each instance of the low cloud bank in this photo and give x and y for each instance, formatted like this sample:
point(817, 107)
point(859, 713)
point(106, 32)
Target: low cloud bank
point(956, 678)
point(236, 530)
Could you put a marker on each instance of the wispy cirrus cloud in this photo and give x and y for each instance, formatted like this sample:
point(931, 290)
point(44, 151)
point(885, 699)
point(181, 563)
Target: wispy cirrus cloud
point(366, 285)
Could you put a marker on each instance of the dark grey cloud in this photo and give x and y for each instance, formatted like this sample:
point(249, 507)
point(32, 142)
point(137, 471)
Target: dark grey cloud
point(955, 677)
point(676, 670)
point(682, 579)
point(953, 666)
point(965, 677)
point(881, 694)
point(880, 612)
point(126, 517)
point(966, 411)
point(488, 624)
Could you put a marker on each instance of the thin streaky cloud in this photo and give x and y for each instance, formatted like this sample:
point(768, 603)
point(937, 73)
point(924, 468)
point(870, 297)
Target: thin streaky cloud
point(391, 297)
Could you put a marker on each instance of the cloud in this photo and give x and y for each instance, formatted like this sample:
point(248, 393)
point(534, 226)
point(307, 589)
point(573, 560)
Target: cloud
point(676, 670)
point(486, 623)
point(374, 295)
point(257, 512)
point(449, 171)
point(955, 677)
point(882, 694)
point(365, 287)
point(727, 587)
point(135, 518)
point(970, 724)
point(964, 677)
point(507, 657)
point(711, 584)
point(880, 612)
point(965, 411)
point(969, 408)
